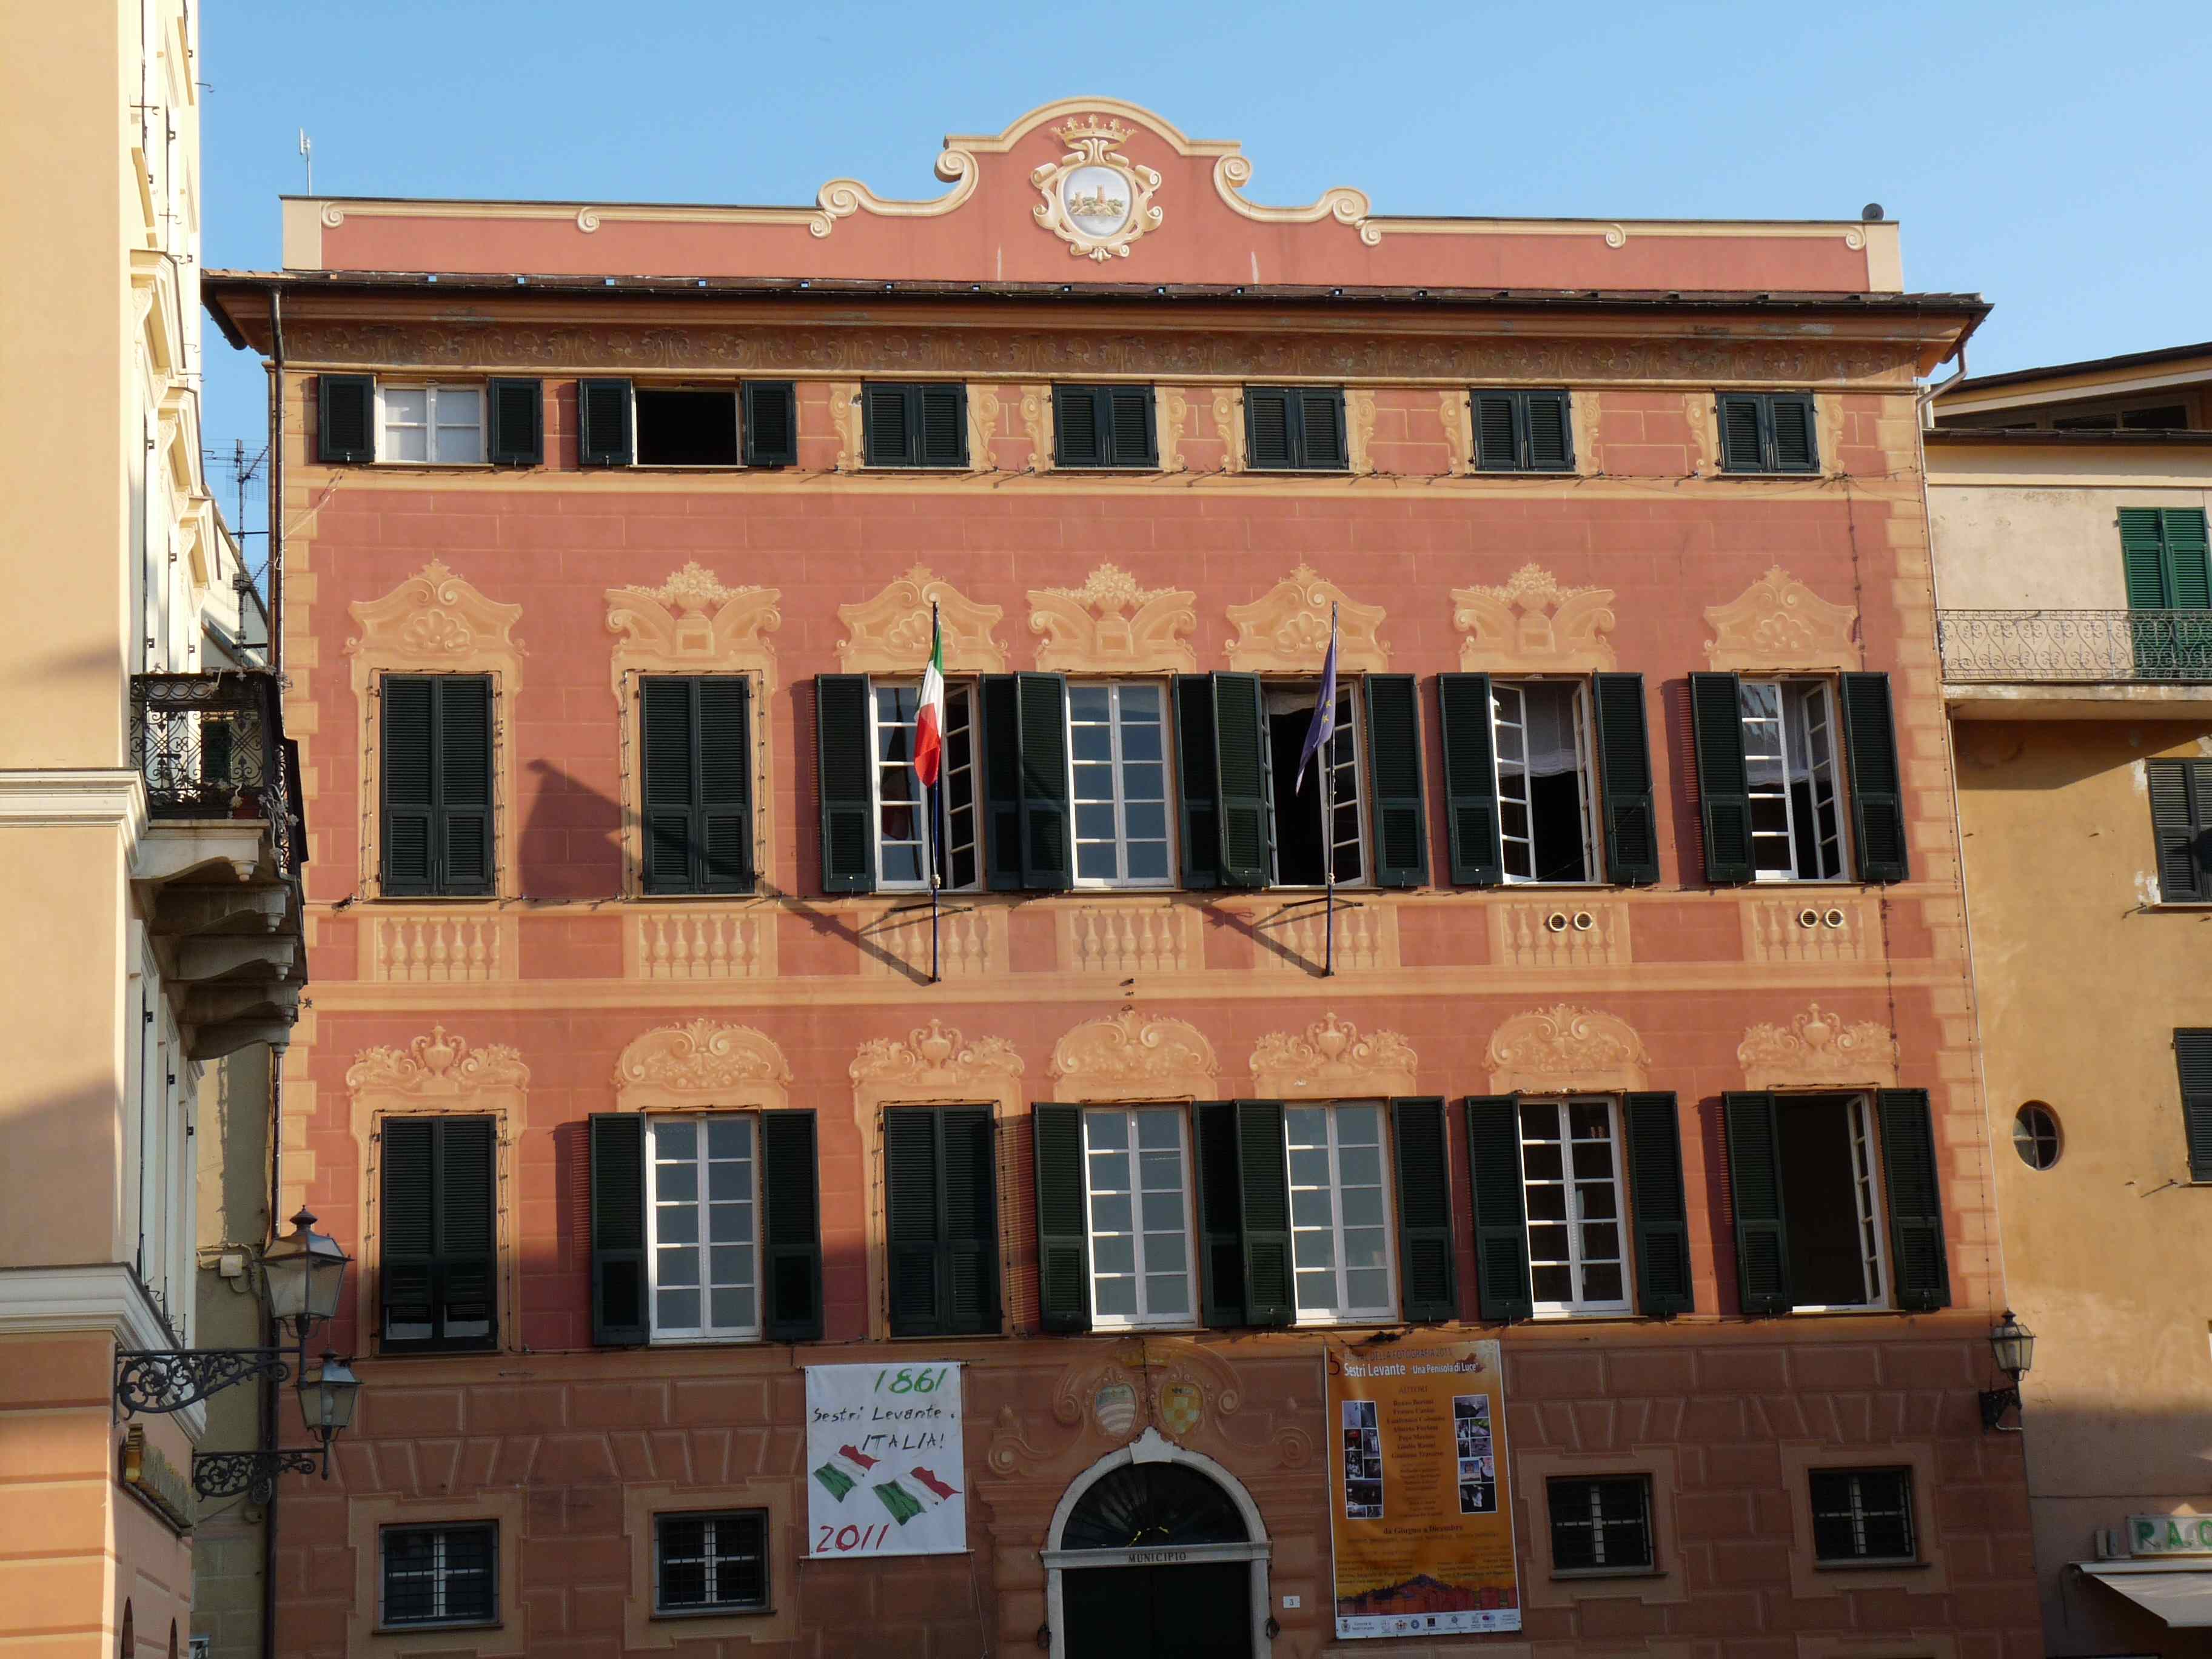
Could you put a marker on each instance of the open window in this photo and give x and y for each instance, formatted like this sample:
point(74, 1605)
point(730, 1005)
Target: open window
point(1791, 767)
point(1546, 786)
point(687, 426)
point(1319, 815)
point(903, 830)
point(621, 423)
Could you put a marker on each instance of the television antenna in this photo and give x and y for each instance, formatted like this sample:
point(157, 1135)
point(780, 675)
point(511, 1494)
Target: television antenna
point(307, 156)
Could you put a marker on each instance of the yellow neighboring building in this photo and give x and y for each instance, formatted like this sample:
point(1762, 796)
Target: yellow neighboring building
point(2068, 510)
point(148, 888)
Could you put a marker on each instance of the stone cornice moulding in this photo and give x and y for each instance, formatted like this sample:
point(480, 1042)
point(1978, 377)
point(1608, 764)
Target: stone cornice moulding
point(100, 1296)
point(76, 796)
point(1777, 624)
point(1533, 625)
point(702, 1063)
point(1817, 1048)
point(1286, 630)
point(890, 633)
point(439, 1066)
point(1331, 1060)
point(693, 624)
point(936, 1061)
point(1566, 1050)
point(1109, 624)
point(1132, 1056)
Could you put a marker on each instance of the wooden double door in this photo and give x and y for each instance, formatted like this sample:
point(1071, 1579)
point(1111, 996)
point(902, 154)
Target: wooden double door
point(1199, 1610)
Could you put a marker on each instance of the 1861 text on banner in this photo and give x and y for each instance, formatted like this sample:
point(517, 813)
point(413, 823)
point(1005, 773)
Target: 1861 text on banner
point(1420, 1516)
point(884, 1461)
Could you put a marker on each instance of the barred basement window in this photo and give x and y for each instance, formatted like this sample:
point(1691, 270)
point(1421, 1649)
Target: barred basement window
point(445, 1575)
point(1601, 1525)
point(1862, 1514)
point(710, 1563)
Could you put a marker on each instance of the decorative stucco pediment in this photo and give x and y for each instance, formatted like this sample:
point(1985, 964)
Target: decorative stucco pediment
point(702, 1063)
point(1110, 625)
point(1286, 630)
point(936, 1056)
point(1778, 624)
point(1533, 625)
point(1130, 1056)
point(1330, 1059)
point(440, 1066)
point(435, 621)
point(1815, 1047)
point(890, 633)
point(692, 622)
point(1564, 1050)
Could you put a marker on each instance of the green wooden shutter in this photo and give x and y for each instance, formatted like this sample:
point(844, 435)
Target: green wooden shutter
point(791, 1227)
point(1551, 438)
point(406, 1236)
point(1877, 794)
point(603, 429)
point(1134, 443)
point(944, 425)
point(771, 421)
point(1047, 856)
point(970, 1143)
point(2188, 558)
point(516, 411)
point(668, 743)
point(1624, 780)
point(1263, 1196)
point(1791, 428)
point(1003, 842)
point(2181, 824)
point(890, 434)
point(1393, 758)
point(1724, 782)
point(1195, 782)
point(845, 752)
point(2192, 1053)
point(1501, 1216)
point(345, 419)
point(1657, 1206)
point(726, 784)
point(1742, 426)
point(463, 845)
point(619, 1316)
point(1269, 412)
point(1762, 1233)
point(409, 783)
point(1063, 1239)
point(1497, 432)
point(1241, 771)
point(1478, 856)
point(467, 1210)
point(1321, 429)
point(2142, 557)
point(1220, 1214)
point(1428, 1284)
point(1079, 433)
point(914, 1221)
point(1916, 1199)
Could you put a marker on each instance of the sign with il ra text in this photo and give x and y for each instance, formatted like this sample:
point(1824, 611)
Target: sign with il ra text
point(2170, 1535)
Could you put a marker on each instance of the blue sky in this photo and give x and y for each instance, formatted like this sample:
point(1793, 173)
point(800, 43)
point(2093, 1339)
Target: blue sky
point(2053, 157)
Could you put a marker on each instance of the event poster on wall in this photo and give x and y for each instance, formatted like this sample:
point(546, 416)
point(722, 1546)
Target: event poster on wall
point(884, 1469)
point(1421, 1520)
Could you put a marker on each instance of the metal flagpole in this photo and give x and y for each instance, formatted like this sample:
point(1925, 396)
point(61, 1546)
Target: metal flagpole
point(1327, 758)
point(929, 813)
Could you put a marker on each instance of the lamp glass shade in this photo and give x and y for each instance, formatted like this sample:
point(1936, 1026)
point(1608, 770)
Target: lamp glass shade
point(2013, 1345)
point(326, 1399)
point(305, 1271)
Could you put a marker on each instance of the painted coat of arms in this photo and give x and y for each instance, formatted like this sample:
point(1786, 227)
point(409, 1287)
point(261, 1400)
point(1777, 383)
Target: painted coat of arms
point(1096, 200)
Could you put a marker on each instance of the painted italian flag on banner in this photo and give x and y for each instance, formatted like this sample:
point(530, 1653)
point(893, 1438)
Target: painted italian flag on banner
point(916, 1492)
point(847, 1469)
point(929, 721)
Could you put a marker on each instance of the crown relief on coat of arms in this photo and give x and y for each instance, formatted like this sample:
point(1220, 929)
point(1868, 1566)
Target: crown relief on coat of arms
point(1096, 200)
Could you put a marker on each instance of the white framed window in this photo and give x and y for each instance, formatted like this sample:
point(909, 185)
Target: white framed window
point(1340, 1213)
point(1118, 745)
point(1577, 1237)
point(442, 425)
point(1547, 787)
point(902, 847)
point(702, 1176)
point(1136, 1164)
point(1789, 761)
point(1303, 840)
point(1831, 1196)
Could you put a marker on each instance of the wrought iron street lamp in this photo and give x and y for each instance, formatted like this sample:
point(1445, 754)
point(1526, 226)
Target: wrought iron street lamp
point(2012, 1345)
point(326, 1402)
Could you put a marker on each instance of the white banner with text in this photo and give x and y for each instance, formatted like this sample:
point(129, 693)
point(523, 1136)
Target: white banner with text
point(884, 1461)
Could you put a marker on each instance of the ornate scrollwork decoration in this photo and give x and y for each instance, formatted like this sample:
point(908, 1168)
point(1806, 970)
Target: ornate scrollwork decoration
point(252, 1475)
point(161, 1381)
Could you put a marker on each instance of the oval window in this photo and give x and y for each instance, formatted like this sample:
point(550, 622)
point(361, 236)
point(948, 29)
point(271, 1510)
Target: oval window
point(2035, 1135)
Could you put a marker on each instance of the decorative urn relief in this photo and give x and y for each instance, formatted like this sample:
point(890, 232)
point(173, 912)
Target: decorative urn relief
point(1817, 1047)
point(1096, 200)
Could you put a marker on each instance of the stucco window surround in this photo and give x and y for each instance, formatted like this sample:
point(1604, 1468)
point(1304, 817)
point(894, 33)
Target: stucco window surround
point(440, 1075)
point(693, 624)
point(366, 1519)
point(936, 1065)
point(1550, 1587)
point(437, 622)
point(1928, 1576)
point(778, 1622)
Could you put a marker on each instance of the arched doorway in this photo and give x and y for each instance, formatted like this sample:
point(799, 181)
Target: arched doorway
point(1158, 1550)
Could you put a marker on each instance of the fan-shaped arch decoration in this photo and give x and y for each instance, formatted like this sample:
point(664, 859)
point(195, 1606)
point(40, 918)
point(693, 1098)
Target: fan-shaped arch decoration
point(1153, 1506)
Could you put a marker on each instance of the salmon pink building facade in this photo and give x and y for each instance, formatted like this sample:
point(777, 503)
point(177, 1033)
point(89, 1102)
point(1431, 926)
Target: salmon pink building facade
point(1597, 989)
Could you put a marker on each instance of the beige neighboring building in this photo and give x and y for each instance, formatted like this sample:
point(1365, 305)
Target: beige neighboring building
point(2069, 509)
point(149, 887)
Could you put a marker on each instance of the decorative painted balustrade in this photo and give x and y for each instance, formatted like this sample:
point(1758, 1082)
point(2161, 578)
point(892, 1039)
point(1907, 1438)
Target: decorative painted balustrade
point(1808, 925)
point(1559, 933)
point(1137, 936)
point(433, 947)
point(701, 944)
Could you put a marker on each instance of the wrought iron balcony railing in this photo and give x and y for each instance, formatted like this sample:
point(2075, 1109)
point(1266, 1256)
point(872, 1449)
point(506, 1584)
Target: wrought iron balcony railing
point(213, 746)
point(2089, 647)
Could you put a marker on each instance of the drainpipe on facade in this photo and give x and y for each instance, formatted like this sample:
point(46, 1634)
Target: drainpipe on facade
point(1928, 397)
point(270, 1335)
point(275, 514)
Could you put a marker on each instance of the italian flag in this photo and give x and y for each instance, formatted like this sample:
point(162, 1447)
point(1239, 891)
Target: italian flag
point(845, 1471)
point(929, 721)
point(917, 1493)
